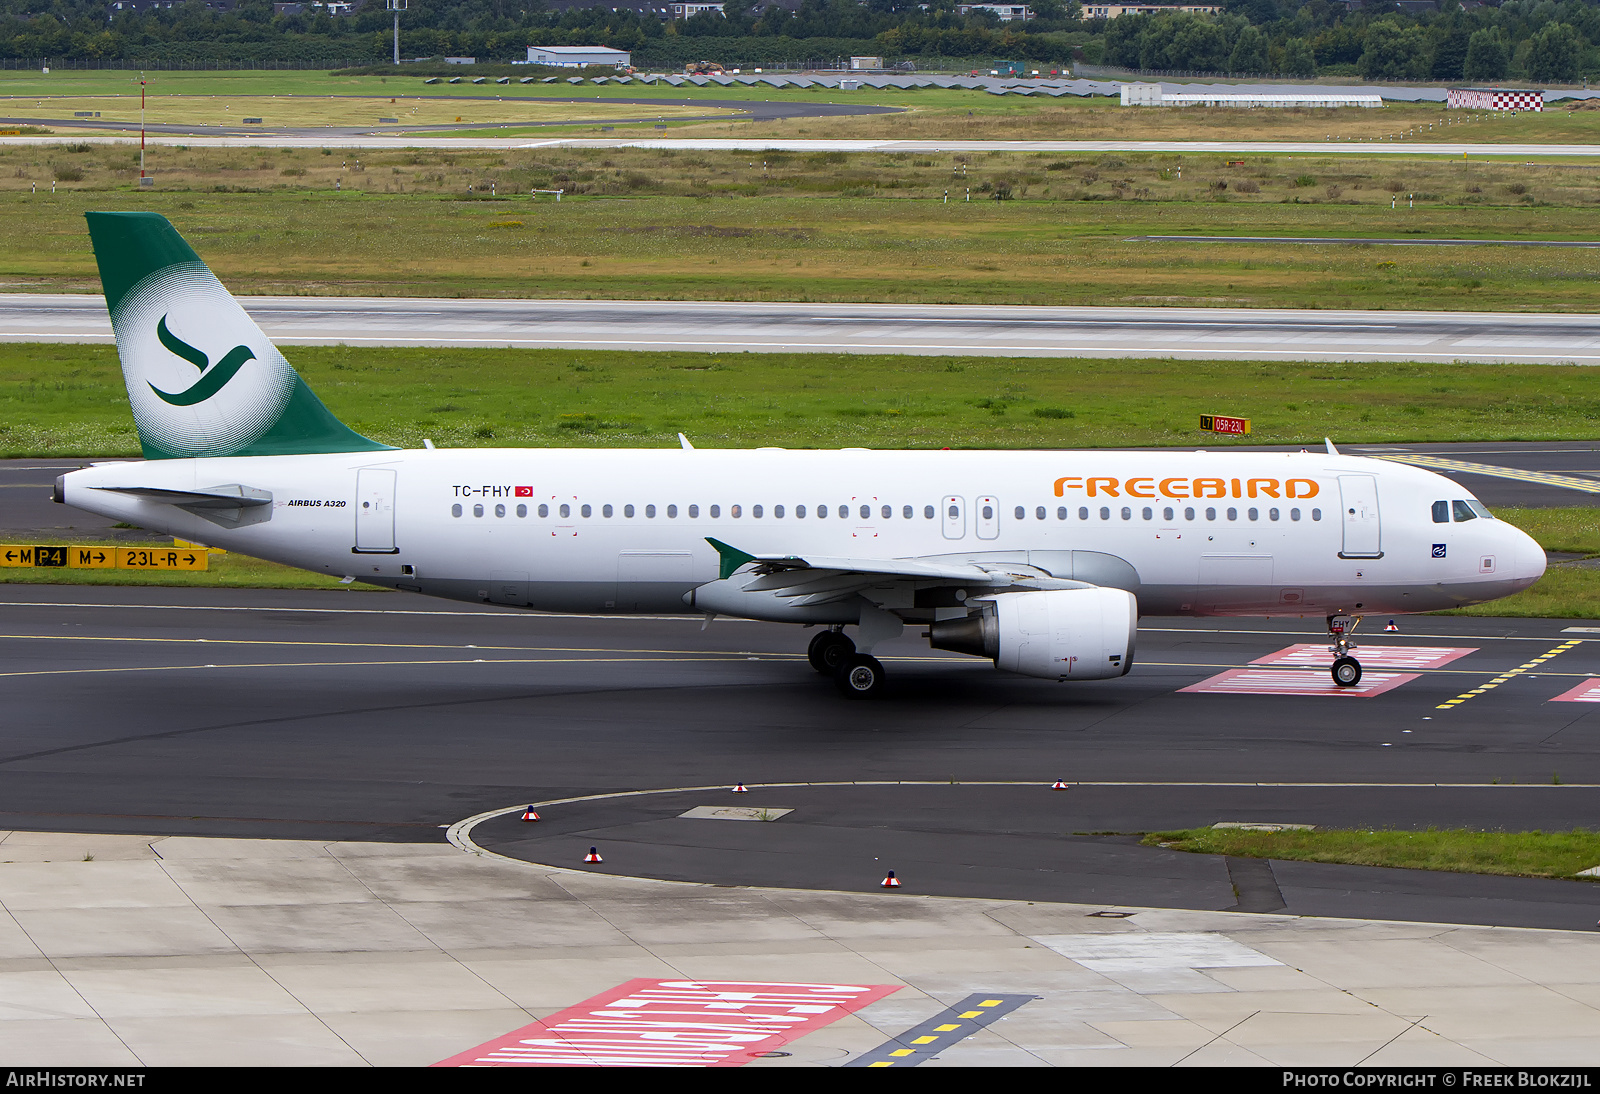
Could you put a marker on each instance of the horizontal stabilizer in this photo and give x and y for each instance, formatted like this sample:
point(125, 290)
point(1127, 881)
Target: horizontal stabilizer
point(229, 506)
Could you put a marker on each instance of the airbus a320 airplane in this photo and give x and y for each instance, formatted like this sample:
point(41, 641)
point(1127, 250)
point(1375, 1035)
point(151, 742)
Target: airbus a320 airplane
point(1040, 561)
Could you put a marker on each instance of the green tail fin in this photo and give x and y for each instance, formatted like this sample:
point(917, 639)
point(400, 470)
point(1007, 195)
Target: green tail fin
point(202, 378)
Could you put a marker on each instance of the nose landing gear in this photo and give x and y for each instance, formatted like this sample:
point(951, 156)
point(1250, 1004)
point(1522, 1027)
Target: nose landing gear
point(1346, 669)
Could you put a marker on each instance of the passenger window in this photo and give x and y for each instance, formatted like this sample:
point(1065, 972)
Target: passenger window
point(1463, 511)
point(672, 511)
point(1316, 514)
point(1254, 514)
point(522, 510)
point(822, 511)
point(1166, 514)
point(800, 511)
point(544, 510)
point(566, 510)
point(455, 510)
point(694, 511)
point(477, 510)
point(627, 510)
point(1188, 512)
point(1441, 512)
point(906, 512)
point(605, 510)
point(988, 512)
point(1127, 514)
point(499, 510)
point(927, 512)
point(866, 512)
point(1039, 513)
point(1233, 514)
point(1083, 512)
point(955, 511)
point(1020, 512)
point(777, 512)
point(587, 510)
point(887, 512)
point(1294, 514)
point(755, 511)
point(1272, 514)
point(1211, 514)
point(1061, 512)
point(715, 511)
point(650, 511)
point(1105, 513)
point(1148, 513)
point(733, 511)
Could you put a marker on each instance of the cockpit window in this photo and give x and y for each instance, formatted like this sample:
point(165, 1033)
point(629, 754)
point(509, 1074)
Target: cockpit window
point(1463, 511)
point(1478, 508)
point(1441, 512)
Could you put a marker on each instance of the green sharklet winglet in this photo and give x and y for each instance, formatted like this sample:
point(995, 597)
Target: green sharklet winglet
point(732, 558)
point(172, 317)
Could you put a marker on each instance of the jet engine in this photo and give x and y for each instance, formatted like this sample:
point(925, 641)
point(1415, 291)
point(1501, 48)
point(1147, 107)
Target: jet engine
point(1060, 634)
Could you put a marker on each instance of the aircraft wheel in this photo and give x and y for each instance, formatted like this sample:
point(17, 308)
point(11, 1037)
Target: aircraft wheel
point(827, 650)
point(1347, 672)
point(859, 677)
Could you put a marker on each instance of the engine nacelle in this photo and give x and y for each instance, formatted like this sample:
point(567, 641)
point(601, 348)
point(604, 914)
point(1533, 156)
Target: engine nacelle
point(1061, 634)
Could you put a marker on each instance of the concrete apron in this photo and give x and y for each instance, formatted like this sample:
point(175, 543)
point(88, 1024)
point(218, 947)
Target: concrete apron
point(130, 950)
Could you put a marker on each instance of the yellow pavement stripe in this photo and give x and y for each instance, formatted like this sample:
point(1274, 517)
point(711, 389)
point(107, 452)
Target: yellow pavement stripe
point(373, 664)
point(1451, 704)
point(1543, 478)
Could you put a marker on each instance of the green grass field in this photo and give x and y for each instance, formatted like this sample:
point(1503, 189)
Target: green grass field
point(68, 400)
point(929, 113)
point(405, 224)
point(1519, 854)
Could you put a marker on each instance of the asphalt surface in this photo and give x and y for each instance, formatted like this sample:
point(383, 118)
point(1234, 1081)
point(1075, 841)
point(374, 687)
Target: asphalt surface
point(326, 138)
point(346, 715)
point(717, 110)
point(1193, 333)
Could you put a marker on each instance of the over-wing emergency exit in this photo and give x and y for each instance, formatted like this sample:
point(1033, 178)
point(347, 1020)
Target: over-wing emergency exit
point(1039, 561)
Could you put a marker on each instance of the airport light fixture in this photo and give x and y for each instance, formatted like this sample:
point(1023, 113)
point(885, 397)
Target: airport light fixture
point(397, 6)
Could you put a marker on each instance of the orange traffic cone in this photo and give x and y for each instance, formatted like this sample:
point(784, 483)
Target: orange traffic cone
point(1058, 785)
point(593, 855)
point(529, 815)
point(891, 882)
point(740, 789)
point(1392, 628)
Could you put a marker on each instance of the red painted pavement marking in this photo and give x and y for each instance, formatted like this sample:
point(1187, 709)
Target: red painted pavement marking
point(1586, 692)
point(1297, 682)
point(1313, 655)
point(674, 1023)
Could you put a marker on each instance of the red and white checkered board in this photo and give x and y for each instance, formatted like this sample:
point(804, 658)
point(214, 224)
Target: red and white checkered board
point(1586, 692)
point(1296, 682)
point(1313, 655)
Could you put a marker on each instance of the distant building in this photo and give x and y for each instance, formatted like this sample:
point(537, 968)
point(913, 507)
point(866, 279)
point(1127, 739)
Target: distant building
point(1006, 13)
point(1494, 98)
point(460, 61)
point(686, 11)
point(578, 56)
point(1112, 11)
point(860, 63)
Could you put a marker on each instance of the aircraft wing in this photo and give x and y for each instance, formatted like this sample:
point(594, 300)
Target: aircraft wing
point(818, 579)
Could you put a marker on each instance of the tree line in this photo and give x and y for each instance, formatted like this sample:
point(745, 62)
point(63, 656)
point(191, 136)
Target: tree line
point(1535, 40)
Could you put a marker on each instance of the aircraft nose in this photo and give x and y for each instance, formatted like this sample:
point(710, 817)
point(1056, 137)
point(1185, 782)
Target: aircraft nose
point(1529, 557)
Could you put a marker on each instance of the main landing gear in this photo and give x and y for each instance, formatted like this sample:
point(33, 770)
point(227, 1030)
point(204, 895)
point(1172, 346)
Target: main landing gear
point(856, 675)
point(1346, 669)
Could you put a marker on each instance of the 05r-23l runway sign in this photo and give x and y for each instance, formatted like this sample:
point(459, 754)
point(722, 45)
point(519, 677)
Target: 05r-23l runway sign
point(103, 558)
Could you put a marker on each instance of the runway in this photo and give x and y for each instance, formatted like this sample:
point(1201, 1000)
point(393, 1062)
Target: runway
point(342, 139)
point(715, 327)
point(377, 716)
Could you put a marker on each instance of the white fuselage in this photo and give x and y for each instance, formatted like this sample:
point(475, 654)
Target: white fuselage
point(626, 530)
